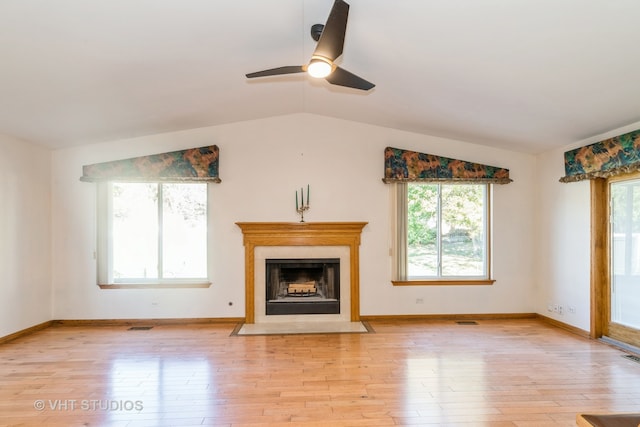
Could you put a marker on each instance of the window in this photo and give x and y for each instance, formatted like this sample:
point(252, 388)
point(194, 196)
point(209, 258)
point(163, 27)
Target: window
point(153, 233)
point(624, 245)
point(442, 234)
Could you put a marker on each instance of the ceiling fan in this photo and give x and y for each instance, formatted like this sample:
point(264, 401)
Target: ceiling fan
point(330, 38)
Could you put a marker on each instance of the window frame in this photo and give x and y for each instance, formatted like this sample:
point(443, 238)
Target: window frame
point(600, 284)
point(399, 242)
point(104, 243)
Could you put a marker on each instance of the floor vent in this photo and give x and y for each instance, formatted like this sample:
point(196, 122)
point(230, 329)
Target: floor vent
point(466, 322)
point(140, 328)
point(632, 357)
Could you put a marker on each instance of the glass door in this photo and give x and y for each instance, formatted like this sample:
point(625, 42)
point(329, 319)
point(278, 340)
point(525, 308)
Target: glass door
point(624, 247)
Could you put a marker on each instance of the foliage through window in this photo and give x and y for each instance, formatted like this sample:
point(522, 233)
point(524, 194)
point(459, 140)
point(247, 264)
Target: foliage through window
point(154, 233)
point(445, 231)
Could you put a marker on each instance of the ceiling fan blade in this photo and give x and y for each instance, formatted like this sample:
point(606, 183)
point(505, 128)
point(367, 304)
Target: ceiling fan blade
point(332, 39)
point(289, 69)
point(342, 77)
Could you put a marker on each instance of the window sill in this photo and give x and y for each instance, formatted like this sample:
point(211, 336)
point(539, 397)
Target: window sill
point(155, 285)
point(437, 282)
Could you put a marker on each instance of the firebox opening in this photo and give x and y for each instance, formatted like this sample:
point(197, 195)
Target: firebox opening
point(303, 286)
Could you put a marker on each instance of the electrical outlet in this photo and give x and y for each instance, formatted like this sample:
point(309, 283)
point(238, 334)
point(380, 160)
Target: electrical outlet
point(550, 308)
point(560, 310)
point(572, 309)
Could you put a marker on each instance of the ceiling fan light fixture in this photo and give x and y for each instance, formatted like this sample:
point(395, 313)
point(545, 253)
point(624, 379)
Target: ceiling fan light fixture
point(319, 68)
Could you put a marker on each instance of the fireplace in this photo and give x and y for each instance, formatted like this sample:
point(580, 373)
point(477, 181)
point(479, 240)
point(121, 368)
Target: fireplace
point(302, 286)
point(313, 240)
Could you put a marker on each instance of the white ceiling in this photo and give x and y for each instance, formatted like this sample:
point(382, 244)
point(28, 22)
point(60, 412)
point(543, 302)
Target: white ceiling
point(526, 75)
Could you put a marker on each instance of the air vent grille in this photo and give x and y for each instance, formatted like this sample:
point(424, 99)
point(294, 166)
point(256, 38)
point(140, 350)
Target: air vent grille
point(632, 357)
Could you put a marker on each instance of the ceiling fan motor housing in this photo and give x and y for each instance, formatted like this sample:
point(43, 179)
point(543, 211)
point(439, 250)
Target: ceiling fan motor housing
point(316, 31)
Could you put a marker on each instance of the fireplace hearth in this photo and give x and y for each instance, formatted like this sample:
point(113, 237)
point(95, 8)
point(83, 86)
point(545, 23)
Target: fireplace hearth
point(302, 286)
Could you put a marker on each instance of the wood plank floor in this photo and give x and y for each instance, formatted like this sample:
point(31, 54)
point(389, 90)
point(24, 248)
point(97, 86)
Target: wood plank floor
point(407, 373)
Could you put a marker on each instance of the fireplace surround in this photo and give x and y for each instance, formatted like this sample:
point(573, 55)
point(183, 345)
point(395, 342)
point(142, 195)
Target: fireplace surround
point(264, 240)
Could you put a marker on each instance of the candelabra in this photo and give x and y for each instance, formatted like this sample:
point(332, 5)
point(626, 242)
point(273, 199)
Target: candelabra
point(302, 207)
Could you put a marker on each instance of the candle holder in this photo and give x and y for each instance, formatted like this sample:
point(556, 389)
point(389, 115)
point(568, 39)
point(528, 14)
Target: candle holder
point(301, 210)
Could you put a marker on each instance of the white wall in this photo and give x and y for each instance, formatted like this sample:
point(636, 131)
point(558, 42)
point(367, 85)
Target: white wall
point(564, 237)
point(262, 163)
point(563, 243)
point(25, 235)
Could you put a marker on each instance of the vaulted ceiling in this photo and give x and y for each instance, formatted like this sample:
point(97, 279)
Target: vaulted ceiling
point(526, 75)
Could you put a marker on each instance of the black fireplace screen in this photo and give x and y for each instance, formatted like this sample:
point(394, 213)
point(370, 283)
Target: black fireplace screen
point(303, 286)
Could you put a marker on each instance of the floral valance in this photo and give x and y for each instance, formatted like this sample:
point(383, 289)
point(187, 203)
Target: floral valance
point(195, 164)
point(613, 156)
point(403, 166)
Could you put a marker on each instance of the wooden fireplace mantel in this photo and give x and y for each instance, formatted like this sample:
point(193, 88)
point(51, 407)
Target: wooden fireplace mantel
point(301, 234)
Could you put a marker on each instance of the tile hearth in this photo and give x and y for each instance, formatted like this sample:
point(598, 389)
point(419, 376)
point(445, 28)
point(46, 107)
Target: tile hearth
point(301, 328)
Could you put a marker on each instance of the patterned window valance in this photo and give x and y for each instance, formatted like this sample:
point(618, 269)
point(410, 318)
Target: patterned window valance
point(613, 156)
point(195, 164)
point(403, 165)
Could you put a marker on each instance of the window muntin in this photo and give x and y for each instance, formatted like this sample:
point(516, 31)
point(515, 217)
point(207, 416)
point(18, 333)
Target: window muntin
point(443, 230)
point(153, 233)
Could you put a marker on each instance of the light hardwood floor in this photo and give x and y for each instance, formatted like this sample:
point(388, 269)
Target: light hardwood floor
point(407, 373)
